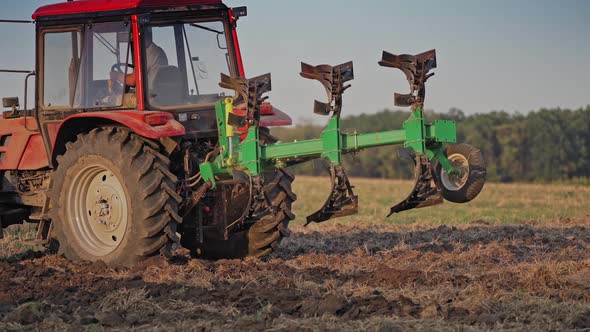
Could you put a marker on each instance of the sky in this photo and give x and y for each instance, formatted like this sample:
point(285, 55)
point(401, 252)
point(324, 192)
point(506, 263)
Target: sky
point(507, 55)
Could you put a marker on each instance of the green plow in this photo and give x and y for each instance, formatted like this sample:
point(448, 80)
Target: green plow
point(438, 175)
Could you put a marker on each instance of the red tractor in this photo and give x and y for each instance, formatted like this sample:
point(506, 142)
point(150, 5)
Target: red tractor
point(124, 100)
point(126, 152)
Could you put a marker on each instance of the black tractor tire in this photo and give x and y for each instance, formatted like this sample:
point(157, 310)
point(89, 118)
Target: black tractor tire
point(139, 173)
point(471, 184)
point(266, 227)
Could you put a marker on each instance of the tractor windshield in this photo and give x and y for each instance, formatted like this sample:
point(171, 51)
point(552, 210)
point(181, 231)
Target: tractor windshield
point(183, 62)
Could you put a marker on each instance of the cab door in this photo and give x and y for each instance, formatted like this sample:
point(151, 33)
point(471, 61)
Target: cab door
point(83, 68)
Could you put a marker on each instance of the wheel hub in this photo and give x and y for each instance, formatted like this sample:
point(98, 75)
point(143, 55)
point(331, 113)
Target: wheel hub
point(102, 212)
point(456, 180)
point(98, 209)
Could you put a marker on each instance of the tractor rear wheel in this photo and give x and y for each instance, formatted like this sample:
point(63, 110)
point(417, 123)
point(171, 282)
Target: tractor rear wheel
point(468, 183)
point(265, 228)
point(113, 199)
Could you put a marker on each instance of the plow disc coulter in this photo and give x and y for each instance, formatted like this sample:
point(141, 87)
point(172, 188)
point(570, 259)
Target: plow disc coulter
point(456, 173)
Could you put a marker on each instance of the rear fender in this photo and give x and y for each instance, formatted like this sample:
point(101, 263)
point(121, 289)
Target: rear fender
point(134, 120)
point(275, 118)
point(270, 116)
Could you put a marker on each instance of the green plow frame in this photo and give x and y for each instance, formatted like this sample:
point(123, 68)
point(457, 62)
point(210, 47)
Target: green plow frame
point(251, 156)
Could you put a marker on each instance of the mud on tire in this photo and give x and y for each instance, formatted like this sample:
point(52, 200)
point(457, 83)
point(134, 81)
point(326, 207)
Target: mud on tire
point(266, 228)
point(134, 171)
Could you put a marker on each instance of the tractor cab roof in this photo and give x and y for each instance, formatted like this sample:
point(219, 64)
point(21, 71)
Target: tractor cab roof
point(78, 7)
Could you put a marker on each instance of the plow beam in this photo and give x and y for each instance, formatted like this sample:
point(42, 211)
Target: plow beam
point(291, 153)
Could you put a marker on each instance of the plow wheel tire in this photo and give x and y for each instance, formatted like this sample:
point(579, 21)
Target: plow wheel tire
point(113, 199)
point(266, 229)
point(463, 187)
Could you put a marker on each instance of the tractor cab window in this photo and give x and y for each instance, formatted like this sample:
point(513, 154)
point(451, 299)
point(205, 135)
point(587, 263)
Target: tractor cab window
point(91, 68)
point(106, 77)
point(183, 63)
point(62, 54)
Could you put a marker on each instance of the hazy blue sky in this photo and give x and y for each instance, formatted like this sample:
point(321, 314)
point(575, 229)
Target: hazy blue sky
point(492, 55)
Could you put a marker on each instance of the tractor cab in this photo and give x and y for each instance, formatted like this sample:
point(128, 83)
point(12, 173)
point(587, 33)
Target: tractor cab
point(145, 55)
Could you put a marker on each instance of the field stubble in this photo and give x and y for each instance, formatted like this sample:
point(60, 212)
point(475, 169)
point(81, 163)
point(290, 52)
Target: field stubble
point(516, 258)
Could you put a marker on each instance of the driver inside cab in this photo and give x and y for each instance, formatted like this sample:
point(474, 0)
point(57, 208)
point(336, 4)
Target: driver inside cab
point(121, 86)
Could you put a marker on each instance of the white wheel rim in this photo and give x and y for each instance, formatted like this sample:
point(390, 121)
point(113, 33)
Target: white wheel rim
point(96, 208)
point(455, 182)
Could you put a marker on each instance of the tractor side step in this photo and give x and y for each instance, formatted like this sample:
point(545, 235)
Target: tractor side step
point(342, 200)
point(39, 216)
point(34, 242)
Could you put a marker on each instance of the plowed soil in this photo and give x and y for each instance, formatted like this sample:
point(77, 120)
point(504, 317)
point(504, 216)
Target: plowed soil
point(326, 277)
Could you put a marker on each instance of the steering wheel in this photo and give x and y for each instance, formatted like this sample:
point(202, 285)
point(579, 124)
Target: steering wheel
point(119, 67)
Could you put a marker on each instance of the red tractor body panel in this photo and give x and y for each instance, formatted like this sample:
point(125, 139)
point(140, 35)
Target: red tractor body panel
point(21, 148)
point(277, 119)
point(34, 156)
point(136, 121)
point(90, 6)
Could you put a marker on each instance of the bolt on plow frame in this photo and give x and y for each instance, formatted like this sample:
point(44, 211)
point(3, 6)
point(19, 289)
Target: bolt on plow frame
point(133, 148)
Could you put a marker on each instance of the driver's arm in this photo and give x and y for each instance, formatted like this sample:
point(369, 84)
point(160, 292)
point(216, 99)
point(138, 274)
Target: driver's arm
point(128, 79)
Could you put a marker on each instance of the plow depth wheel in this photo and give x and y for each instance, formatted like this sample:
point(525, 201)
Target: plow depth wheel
point(465, 185)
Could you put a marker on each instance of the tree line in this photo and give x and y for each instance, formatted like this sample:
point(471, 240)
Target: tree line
point(541, 146)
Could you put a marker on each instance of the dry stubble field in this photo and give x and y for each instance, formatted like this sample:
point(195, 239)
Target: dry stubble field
point(517, 258)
